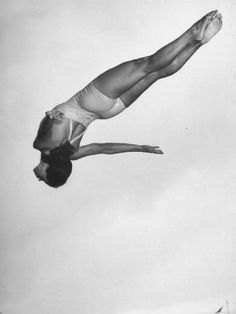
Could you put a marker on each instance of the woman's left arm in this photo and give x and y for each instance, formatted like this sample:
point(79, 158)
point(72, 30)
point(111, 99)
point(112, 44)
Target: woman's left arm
point(113, 148)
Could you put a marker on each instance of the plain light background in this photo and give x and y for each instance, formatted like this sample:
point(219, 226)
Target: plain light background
point(131, 233)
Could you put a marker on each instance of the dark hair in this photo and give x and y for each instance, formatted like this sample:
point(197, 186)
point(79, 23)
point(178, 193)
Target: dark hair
point(60, 166)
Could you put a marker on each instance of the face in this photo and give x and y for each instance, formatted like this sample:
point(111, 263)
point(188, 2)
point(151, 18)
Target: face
point(40, 171)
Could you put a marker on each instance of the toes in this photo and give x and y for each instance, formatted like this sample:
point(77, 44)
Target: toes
point(210, 16)
point(221, 20)
point(217, 16)
point(212, 13)
point(206, 20)
point(212, 28)
point(218, 19)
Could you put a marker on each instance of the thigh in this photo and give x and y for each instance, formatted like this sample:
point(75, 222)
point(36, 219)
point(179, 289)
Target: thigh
point(117, 80)
point(129, 96)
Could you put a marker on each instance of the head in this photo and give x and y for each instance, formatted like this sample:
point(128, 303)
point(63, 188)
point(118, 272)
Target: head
point(55, 168)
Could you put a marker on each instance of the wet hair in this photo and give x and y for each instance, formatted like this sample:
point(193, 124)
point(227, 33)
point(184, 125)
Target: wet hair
point(60, 166)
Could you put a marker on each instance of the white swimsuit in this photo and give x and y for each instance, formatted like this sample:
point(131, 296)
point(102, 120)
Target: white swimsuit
point(90, 104)
point(70, 134)
point(86, 106)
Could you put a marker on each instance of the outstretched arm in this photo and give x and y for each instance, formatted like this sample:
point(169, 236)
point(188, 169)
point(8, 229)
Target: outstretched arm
point(113, 148)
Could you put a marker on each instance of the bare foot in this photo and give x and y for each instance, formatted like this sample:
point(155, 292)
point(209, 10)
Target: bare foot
point(198, 29)
point(212, 28)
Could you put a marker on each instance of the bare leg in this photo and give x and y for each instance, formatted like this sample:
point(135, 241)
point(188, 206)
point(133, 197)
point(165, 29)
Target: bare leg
point(117, 80)
point(129, 96)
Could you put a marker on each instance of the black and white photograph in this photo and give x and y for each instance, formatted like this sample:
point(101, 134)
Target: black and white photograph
point(118, 157)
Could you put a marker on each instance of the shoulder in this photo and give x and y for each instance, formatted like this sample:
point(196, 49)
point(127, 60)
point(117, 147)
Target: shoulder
point(46, 129)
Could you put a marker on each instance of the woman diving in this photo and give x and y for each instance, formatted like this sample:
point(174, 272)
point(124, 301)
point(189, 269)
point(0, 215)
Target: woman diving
point(61, 130)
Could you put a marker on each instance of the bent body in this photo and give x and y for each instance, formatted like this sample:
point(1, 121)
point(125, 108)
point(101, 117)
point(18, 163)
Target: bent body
point(111, 93)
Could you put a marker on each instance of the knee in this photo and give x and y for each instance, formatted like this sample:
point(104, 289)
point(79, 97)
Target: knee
point(172, 68)
point(150, 65)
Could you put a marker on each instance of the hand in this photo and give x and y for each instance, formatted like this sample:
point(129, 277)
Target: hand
point(55, 114)
point(152, 149)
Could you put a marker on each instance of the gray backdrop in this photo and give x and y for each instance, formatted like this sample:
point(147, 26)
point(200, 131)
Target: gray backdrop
point(130, 233)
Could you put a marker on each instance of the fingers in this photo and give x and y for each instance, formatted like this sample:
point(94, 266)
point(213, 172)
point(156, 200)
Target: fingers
point(152, 149)
point(55, 115)
point(155, 150)
point(59, 116)
point(158, 151)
